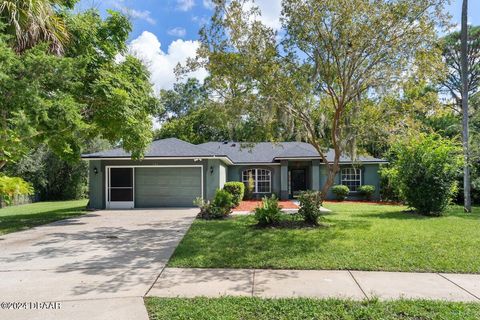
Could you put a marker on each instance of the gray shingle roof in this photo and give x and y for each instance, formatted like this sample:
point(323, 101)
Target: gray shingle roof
point(266, 152)
point(171, 147)
point(261, 152)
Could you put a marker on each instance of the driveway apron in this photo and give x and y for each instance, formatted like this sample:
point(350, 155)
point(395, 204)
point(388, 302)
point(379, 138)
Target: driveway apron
point(95, 265)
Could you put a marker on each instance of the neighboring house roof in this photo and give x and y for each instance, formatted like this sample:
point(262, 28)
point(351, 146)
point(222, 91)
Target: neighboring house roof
point(171, 147)
point(236, 152)
point(267, 152)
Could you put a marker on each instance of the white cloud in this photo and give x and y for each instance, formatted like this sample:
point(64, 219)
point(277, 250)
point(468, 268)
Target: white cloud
point(200, 20)
point(185, 5)
point(177, 32)
point(135, 14)
point(161, 64)
point(208, 4)
point(271, 11)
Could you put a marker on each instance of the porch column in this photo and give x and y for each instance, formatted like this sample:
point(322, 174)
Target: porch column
point(284, 180)
point(315, 175)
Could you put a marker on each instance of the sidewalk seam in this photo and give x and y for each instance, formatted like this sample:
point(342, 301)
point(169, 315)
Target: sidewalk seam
point(155, 281)
point(253, 283)
point(451, 281)
point(358, 284)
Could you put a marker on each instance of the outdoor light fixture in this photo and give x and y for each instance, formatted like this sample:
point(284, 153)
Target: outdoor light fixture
point(95, 170)
point(211, 169)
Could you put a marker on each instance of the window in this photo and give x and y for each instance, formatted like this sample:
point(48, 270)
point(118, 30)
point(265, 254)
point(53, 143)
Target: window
point(352, 178)
point(262, 179)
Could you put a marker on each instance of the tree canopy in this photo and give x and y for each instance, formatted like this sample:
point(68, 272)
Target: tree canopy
point(315, 74)
point(87, 92)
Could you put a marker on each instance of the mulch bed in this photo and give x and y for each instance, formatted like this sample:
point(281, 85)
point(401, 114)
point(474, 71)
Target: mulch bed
point(249, 205)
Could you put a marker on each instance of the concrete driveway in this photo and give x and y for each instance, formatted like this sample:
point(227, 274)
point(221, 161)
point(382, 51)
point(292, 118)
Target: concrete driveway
point(98, 266)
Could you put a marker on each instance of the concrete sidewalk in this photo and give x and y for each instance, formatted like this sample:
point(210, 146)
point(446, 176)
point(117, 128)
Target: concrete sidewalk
point(358, 285)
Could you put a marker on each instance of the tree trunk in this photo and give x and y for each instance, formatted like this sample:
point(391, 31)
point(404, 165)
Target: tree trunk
point(464, 75)
point(332, 172)
point(2, 163)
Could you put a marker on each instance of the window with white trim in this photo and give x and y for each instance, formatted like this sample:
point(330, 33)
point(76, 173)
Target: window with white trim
point(352, 178)
point(262, 179)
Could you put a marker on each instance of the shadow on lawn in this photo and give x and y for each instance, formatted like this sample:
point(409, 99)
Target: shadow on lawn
point(455, 211)
point(240, 243)
point(399, 215)
point(18, 222)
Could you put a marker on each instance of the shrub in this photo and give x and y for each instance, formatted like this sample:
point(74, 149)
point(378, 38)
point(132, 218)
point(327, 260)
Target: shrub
point(341, 192)
point(367, 191)
point(310, 204)
point(13, 186)
point(429, 166)
point(389, 187)
point(269, 213)
point(223, 199)
point(219, 207)
point(236, 189)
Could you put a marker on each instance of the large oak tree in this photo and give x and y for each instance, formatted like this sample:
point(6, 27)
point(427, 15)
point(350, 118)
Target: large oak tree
point(316, 72)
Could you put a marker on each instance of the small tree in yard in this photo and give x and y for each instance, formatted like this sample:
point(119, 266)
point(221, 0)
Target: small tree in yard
point(429, 167)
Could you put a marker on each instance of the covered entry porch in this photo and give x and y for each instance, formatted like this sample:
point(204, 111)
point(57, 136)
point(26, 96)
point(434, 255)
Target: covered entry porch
point(298, 175)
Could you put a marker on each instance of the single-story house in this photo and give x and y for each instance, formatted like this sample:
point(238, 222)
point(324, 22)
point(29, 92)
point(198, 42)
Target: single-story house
point(174, 172)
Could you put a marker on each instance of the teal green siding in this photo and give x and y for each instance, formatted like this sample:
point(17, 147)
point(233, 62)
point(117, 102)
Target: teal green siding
point(95, 191)
point(223, 170)
point(315, 173)
point(284, 180)
point(370, 176)
point(97, 182)
point(183, 187)
point(216, 174)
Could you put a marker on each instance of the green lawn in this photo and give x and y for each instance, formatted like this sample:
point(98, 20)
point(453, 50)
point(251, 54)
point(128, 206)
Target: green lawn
point(359, 236)
point(26, 216)
point(289, 309)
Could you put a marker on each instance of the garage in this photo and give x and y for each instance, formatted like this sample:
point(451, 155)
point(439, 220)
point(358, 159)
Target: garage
point(167, 187)
point(153, 186)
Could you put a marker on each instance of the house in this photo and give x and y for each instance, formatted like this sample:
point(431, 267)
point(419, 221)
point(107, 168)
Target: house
point(174, 172)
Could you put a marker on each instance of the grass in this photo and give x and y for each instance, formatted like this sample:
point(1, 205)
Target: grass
point(358, 237)
point(17, 218)
point(298, 308)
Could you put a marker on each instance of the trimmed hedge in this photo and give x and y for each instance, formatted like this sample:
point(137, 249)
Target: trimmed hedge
point(367, 191)
point(236, 189)
point(341, 192)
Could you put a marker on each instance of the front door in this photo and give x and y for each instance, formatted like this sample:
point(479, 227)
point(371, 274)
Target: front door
point(120, 188)
point(298, 181)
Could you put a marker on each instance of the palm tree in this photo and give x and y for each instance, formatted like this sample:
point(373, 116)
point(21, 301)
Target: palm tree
point(34, 21)
point(464, 77)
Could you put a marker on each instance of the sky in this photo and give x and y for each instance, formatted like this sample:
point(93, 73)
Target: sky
point(165, 32)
